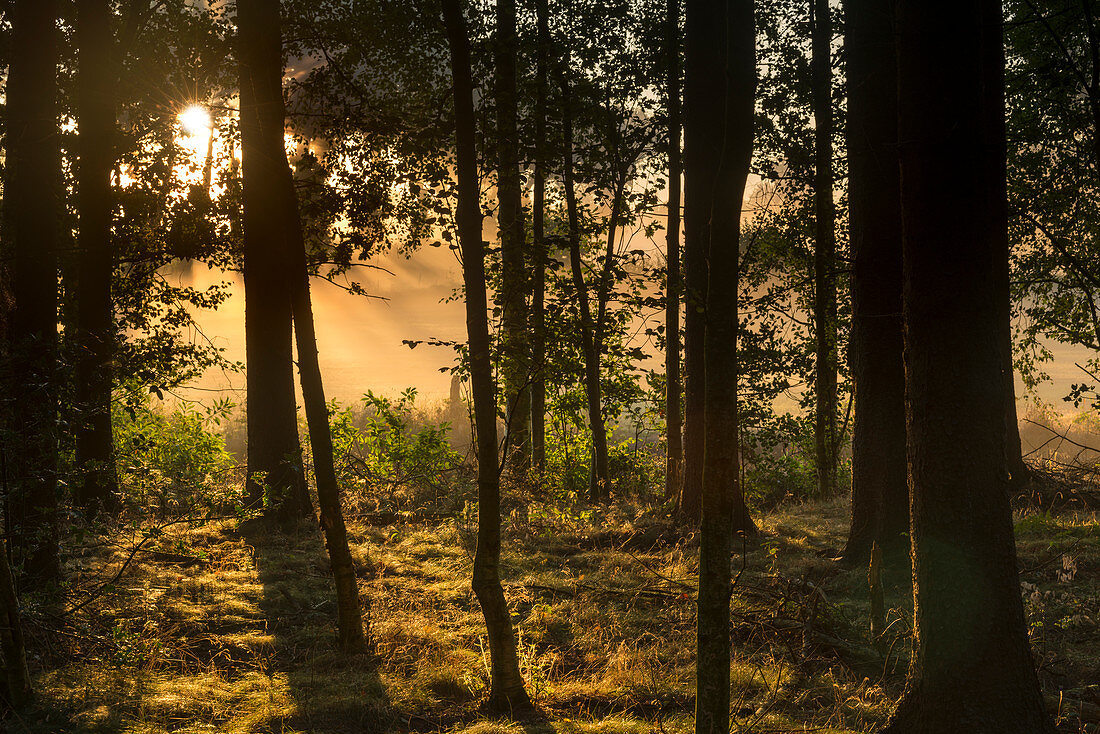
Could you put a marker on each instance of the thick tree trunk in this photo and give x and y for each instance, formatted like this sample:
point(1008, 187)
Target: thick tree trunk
point(600, 476)
point(32, 220)
point(516, 368)
point(96, 489)
point(268, 183)
point(539, 252)
point(825, 311)
point(971, 669)
point(673, 384)
point(274, 453)
point(880, 493)
point(720, 83)
point(507, 692)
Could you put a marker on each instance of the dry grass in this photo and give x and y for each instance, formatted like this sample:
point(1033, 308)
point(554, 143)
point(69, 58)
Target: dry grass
point(229, 628)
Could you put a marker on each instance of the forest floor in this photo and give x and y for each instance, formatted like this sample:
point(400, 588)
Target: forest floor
point(229, 627)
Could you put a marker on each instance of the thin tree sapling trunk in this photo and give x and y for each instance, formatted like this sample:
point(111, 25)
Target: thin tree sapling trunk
point(540, 251)
point(507, 692)
point(673, 384)
point(516, 367)
point(825, 308)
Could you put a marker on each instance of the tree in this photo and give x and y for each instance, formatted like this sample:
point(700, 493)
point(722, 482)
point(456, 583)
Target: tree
point(516, 367)
point(825, 311)
point(673, 382)
point(507, 692)
point(32, 216)
point(274, 453)
point(269, 186)
point(880, 495)
point(971, 669)
point(539, 250)
point(97, 488)
point(720, 82)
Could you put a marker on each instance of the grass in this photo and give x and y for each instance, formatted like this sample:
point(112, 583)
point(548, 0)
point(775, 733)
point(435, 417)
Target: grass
point(229, 627)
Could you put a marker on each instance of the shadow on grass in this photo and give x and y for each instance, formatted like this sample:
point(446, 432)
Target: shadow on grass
point(332, 691)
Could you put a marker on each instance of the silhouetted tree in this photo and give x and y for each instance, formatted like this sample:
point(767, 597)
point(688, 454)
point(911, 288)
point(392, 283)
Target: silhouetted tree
point(880, 495)
point(673, 384)
point(515, 345)
point(96, 489)
point(720, 82)
point(971, 669)
point(274, 452)
point(825, 310)
point(32, 222)
point(269, 185)
point(540, 250)
point(507, 692)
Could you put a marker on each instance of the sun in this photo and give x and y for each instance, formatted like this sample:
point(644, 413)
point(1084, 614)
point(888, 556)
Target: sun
point(195, 120)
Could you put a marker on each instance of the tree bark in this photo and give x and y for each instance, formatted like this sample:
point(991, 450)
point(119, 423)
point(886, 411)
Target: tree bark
point(600, 475)
point(673, 384)
point(825, 310)
point(515, 345)
point(12, 643)
point(97, 486)
point(539, 248)
point(269, 184)
point(720, 83)
point(32, 221)
point(971, 669)
point(880, 493)
point(507, 692)
point(275, 475)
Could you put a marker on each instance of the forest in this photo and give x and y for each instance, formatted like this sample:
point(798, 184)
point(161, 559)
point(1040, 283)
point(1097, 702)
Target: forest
point(573, 367)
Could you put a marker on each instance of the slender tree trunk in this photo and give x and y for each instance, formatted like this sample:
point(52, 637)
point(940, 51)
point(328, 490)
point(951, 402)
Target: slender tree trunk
point(673, 384)
point(600, 476)
point(262, 130)
point(720, 82)
point(880, 493)
point(12, 644)
point(516, 346)
point(539, 250)
point(32, 217)
point(507, 692)
point(274, 452)
point(97, 486)
point(702, 150)
point(971, 669)
point(825, 310)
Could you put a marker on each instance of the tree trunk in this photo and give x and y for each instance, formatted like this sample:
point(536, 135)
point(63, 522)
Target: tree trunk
point(507, 693)
point(97, 487)
point(262, 131)
point(539, 249)
point(673, 385)
point(32, 221)
point(825, 311)
point(515, 345)
point(12, 644)
point(600, 476)
point(880, 493)
point(274, 453)
point(720, 85)
point(971, 669)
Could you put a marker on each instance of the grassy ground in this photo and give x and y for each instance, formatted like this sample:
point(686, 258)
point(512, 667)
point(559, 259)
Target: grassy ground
point(229, 628)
